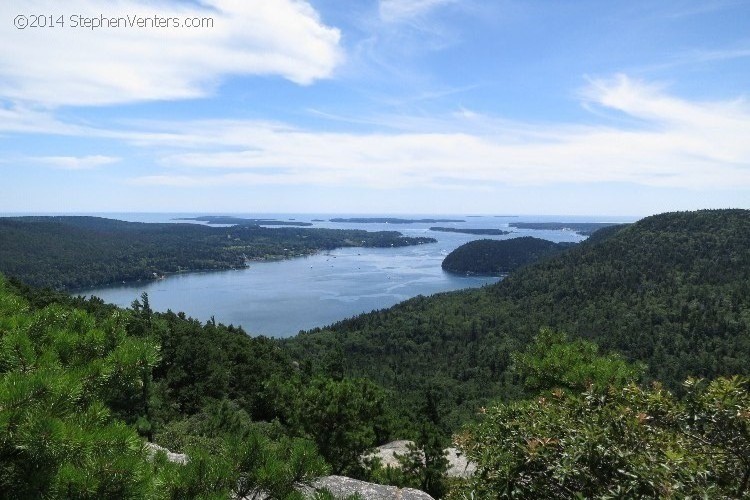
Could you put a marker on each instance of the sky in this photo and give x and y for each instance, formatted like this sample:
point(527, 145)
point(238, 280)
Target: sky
point(580, 107)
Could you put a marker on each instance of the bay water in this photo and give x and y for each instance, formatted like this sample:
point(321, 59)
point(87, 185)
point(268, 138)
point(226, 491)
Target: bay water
point(281, 298)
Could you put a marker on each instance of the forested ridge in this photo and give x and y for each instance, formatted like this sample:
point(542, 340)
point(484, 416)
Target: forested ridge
point(671, 290)
point(496, 257)
point(76, 252)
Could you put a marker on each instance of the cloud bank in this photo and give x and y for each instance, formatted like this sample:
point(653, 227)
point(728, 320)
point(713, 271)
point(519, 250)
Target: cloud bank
point(666, 142)
point(647, 137)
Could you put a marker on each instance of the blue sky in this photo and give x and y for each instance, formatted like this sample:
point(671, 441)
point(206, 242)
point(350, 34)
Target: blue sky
point(377, 106)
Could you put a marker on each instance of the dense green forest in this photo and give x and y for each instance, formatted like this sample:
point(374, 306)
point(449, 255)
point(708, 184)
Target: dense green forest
point(79, 252)
point(671, 290)
point(83, 384)
point(496, 257)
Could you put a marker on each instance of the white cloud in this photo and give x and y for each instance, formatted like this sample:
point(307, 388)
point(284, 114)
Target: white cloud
point(713, 131)
point(79, 66)
point(677, 143)
point(74, 162)
point(405, 10)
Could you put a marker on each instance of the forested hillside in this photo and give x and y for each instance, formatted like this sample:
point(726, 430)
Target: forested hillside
point(495, 257)
point(672, 290)
point(78, 252)
point(83, 384)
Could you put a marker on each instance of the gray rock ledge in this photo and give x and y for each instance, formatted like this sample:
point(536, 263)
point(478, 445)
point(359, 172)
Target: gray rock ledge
point(178, 458)
point(341, 487)
point(458, 464)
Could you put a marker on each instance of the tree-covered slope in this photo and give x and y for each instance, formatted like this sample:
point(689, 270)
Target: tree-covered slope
point(672, 290)
point(78, 252)
point(83, 384)
point(76, 390)
point(495, 257)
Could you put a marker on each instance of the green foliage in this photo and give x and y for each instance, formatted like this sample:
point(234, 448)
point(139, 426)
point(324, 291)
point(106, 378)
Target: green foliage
point(345, 418)
point(496, 257)
point(625, 442)
point(75, 386)
point(214, 383)
point(277, 468)
point(254, 467)
point(551, 361)
point(79, 252)
point(717, 417)
point(425, 464)
point(205, 364)
point(57, 439)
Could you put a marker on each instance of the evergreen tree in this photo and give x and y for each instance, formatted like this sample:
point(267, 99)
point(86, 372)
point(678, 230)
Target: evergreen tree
point(425, 464)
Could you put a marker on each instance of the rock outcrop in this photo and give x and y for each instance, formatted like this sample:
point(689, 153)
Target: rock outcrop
point(178, 458)
point(459, 466)
point(342, 487)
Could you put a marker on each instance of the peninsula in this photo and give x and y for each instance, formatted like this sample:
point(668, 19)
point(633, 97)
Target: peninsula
point(79, 252)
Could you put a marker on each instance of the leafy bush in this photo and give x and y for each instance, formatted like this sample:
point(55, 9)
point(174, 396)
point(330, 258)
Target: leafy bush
point(620, 442)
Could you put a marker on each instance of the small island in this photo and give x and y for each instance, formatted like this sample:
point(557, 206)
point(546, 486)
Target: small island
point(498, 257)
point(392, 220)
point(582, 228)
point(241, 221)
point(484, 232)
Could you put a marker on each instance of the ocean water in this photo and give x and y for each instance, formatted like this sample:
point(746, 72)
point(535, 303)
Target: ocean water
point(281, 298)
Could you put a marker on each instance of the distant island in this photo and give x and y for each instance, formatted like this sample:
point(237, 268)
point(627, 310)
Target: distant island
point(582, 228)
point(241, 221)
point(81, 252)
point(497, 257)
point(486, 232)
point(393, 220)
